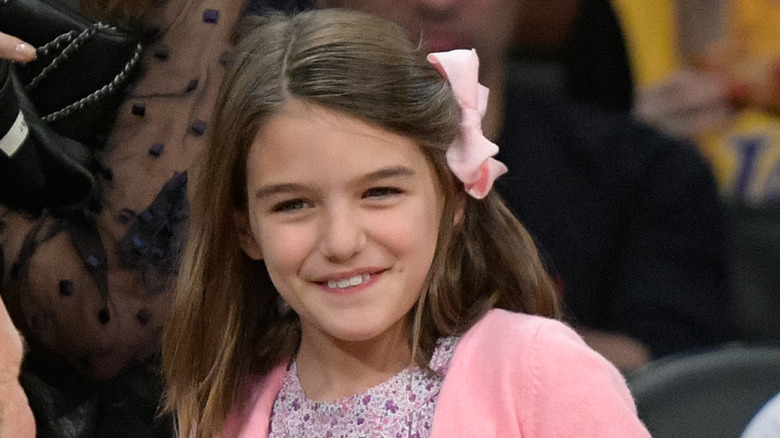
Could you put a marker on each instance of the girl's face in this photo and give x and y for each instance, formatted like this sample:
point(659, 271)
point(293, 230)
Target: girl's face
point(346, 217)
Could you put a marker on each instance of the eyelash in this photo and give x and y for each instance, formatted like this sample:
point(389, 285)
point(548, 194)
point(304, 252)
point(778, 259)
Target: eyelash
point(291, 205)
point(300, 204)
point(385, 191)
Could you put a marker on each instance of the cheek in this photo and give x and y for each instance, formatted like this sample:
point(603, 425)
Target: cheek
point(285, 247)
point(399, 11)
point(493, 19)
point(285, 253)
point(411, 231)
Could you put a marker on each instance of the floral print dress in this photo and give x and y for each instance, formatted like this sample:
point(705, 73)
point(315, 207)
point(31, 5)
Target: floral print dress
point(401, 406)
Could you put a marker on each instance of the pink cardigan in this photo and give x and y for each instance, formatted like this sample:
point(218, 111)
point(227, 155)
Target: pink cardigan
point(512, 375)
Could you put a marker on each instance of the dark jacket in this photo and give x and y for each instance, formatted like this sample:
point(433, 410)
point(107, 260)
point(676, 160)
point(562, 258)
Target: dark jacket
point(629, 221)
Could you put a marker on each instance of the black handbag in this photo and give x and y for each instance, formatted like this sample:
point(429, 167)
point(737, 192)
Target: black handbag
point(82, 67)
point(39, 168)
point(57, 110)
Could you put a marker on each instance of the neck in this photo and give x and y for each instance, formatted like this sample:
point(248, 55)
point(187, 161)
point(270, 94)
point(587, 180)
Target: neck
point(330, 369)
point(492, 76)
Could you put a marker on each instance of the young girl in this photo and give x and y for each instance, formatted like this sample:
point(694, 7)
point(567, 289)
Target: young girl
point(349, 272)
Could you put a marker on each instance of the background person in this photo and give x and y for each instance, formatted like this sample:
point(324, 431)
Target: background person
point(92, 293)
point(16, 419)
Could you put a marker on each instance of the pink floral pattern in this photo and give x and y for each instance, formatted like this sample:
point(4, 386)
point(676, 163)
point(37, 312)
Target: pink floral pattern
point(402, 406)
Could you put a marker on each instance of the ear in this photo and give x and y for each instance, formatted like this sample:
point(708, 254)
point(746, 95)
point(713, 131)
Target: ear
point(245, 236)
point(460, 210)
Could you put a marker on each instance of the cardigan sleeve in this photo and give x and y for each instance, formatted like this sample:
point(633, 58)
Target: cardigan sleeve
point(575, 391)
point(515, 375)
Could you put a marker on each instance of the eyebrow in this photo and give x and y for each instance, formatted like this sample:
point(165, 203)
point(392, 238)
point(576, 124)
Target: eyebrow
point(384, 173)
point(389, 172)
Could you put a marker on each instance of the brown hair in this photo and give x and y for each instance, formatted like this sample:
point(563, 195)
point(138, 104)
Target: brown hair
point(226, 325)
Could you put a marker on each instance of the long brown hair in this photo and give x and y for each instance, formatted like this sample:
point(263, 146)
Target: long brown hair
point(226, 325)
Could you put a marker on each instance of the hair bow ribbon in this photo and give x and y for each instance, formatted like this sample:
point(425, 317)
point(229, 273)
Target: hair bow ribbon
point(470, 156)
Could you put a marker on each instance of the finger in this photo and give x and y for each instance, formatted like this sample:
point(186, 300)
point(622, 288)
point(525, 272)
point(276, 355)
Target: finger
point(14, 49)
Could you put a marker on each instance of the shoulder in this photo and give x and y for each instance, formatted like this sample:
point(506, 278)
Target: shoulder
point(539, 111)
point(530, 350)
point(530, 354)
point(519, 371)
point(501, 330)
point(541, 349)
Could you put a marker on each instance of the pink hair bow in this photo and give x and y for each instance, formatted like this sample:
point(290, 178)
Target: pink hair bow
point(470, 155)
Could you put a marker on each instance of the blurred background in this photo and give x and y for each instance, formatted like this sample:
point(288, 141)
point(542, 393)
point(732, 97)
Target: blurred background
point(707, 71)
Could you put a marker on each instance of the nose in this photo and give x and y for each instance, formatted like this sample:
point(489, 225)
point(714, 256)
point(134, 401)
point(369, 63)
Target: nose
point(435, 8)
point(437, 4)
point(342, 235)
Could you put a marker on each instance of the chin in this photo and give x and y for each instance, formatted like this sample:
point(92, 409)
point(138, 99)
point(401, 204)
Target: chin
point(358, 334)
point(352, 335)
point(445, 43)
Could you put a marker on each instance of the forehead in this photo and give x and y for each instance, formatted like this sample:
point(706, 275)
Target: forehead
point(305, 140)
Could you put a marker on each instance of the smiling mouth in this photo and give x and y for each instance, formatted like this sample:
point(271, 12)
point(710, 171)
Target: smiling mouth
point(348, 282)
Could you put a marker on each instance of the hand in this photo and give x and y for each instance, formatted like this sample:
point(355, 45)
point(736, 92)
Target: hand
point(16, 418)
point(685, 104)
point(752, 78)
point(14, 49)
point(624, 352)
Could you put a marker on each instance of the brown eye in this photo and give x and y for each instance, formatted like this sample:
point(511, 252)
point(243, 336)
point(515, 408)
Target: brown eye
point(291, 205)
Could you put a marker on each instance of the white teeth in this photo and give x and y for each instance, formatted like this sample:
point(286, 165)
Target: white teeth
point(347, 282)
